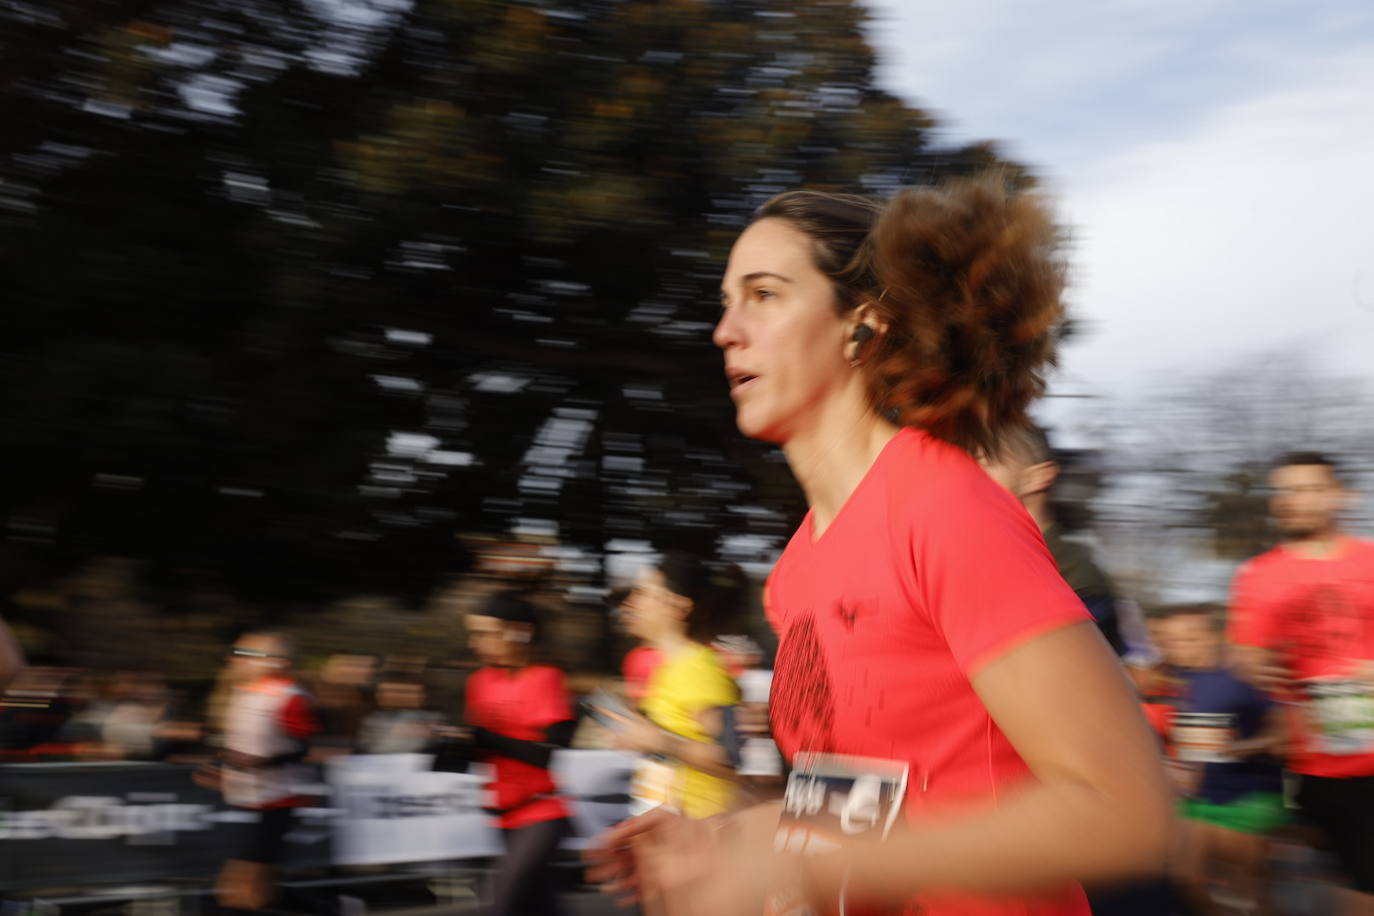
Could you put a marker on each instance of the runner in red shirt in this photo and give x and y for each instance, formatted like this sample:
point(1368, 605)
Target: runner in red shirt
point(520, 714)
point(961, 738)
point(1302, 619)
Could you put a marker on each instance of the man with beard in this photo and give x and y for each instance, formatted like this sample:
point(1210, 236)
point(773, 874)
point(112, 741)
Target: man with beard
point(1302, 621)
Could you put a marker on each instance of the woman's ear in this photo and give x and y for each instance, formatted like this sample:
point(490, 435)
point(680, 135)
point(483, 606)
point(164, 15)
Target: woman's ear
point(869, 313)
point(1038, 478)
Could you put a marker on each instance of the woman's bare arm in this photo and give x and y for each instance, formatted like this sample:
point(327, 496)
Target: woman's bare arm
point(1099, 810)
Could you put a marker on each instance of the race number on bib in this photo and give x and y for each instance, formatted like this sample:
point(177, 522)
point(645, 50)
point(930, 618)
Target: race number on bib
point(829, 799)
point(1203, 737)
point(1342, 712)
point(654, 785)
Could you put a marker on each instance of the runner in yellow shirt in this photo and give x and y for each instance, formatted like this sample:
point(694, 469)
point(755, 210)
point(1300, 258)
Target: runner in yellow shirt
point(677, 607)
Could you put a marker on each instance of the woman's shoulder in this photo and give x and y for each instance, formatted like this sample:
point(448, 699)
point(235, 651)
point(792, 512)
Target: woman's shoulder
point(690, 665)
point(929, 471)
point(699, 655)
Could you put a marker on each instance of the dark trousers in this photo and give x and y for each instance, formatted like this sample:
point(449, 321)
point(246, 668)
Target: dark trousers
point(1144, 898)
point(525, 884)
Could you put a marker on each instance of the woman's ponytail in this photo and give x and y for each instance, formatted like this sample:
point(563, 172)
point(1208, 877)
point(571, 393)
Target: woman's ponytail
point(970, 282)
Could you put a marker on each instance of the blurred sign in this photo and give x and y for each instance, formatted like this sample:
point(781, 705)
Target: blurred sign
point(91, 824)
point(101, 823)
point(598, 782)
point(392, 808)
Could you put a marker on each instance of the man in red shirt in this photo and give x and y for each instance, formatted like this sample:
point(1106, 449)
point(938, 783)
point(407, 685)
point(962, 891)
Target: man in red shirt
point(520, 714)
point(1302, 621)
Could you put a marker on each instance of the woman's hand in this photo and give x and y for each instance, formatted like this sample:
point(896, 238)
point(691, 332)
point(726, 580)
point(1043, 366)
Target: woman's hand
point(633, 732)
point(675, 866)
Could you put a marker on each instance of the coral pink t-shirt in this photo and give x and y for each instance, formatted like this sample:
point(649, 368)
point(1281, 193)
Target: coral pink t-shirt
point(1318, 614)
point(929, 572)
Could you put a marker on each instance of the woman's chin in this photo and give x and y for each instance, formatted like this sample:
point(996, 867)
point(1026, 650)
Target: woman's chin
point(757, 428)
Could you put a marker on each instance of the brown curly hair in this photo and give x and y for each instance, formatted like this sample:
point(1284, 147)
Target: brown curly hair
point(967, 277)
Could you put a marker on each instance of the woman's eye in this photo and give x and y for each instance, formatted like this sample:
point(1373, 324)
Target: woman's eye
point(763, 293)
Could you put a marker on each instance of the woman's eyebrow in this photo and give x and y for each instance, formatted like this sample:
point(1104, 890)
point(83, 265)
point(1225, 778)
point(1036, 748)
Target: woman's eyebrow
point(757, 275)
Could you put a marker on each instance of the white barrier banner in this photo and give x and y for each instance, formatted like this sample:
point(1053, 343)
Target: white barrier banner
point(597, 784)
point(391, 808)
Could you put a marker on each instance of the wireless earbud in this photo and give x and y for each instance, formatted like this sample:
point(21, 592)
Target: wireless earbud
point(863, 334)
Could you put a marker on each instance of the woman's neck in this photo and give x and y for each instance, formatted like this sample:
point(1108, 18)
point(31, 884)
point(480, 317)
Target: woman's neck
point(671, 643)
point(831, 457)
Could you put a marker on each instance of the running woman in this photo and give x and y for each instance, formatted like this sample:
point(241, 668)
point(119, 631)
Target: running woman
point(520, 714)
point(676, 607)
point(1302, 620)
point(961, 739)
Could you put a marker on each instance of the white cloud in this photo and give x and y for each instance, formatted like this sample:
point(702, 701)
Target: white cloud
point(1211, 157)
point(1247, 234)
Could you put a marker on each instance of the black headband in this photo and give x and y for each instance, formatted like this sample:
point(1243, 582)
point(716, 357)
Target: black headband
point(512, 607)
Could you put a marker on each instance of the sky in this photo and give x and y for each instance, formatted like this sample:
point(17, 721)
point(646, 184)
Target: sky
point(1214, 160)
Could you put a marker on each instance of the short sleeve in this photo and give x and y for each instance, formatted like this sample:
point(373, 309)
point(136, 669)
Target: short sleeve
point(548, 699)
point(297, 717)
point(986, 578)
point(1253, 618)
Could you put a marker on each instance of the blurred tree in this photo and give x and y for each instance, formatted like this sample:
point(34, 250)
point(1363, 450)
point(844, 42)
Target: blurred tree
point(1186, 475)
point(296, 292)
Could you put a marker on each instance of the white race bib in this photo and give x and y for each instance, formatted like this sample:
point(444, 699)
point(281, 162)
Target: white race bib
point(1202, 737)
point(654, 785)
point(1342, 713)
point(831, 798)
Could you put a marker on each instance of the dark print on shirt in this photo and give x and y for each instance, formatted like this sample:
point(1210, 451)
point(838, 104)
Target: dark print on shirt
point(803, 705)
point(1331, 623)
point(854, 611)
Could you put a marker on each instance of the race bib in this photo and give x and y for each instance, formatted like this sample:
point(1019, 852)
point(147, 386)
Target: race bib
point(1342, 713)
point(830, 799)
point(654, 785)
point(1203, 737)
